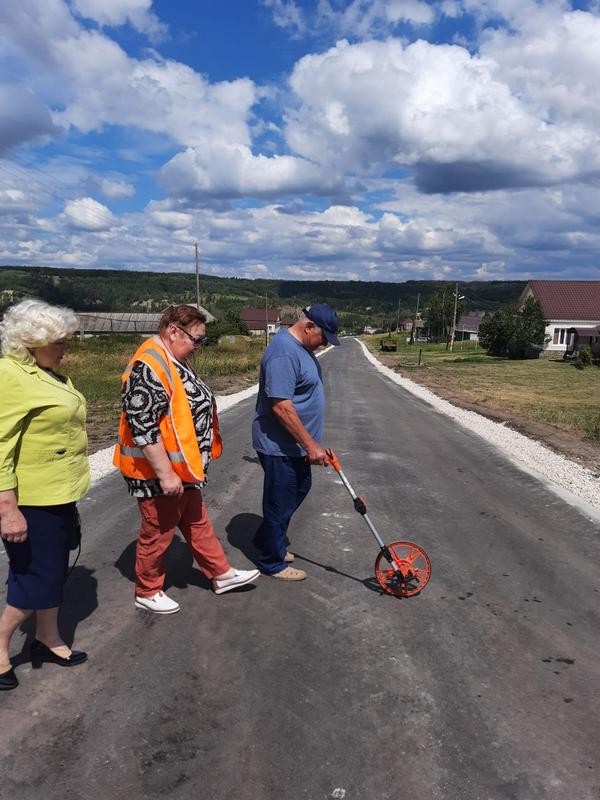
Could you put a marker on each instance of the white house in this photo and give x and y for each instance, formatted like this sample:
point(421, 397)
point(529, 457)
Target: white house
point(565, 305)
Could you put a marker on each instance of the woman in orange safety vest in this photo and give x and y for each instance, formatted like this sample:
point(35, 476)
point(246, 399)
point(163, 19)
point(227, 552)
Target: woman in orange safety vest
point(168, 434)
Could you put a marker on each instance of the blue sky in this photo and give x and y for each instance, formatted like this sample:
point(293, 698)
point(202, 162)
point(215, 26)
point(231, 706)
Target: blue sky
point(343, 139)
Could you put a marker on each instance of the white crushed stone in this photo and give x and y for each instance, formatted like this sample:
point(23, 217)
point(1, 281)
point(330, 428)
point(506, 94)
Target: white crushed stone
point(574, 483)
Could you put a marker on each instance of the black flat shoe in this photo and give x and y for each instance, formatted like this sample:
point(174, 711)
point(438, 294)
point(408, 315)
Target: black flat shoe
point(40, 653)
point(8, 680)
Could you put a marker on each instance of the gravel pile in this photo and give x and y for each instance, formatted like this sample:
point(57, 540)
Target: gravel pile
point(572, 482)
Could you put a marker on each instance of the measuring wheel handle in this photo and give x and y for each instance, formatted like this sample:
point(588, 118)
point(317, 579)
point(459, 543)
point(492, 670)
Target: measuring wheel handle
point(402, 569)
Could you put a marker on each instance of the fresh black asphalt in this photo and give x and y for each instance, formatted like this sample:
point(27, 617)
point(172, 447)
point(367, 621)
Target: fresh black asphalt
point(484, 687)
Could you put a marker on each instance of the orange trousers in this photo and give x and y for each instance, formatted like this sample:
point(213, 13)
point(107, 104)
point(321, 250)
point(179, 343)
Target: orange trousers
point(160, 517)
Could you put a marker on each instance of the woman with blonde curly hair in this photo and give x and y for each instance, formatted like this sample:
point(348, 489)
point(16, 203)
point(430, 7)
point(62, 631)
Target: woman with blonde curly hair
point(43, 472)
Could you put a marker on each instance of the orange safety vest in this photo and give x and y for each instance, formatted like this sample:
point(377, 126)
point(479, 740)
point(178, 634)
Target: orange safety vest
point(176, 427)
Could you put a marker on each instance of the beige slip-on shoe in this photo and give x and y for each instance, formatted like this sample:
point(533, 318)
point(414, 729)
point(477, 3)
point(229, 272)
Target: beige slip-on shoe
point(289, 574)
point(289, 557)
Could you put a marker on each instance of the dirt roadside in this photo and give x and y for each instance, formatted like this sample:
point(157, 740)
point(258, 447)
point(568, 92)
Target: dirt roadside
point(561, 441)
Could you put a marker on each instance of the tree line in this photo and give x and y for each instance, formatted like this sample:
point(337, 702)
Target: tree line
point(357, 302)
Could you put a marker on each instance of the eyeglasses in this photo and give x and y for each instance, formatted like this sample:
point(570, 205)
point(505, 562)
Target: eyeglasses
point(195, 340)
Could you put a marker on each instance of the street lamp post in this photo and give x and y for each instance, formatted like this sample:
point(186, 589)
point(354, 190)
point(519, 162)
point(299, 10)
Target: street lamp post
point(457, 297)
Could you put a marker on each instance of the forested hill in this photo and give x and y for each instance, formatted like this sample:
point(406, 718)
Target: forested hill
point(118, 290)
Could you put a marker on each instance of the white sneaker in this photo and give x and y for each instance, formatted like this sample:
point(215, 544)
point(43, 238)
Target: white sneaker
point(241, 577)
point(158, 603)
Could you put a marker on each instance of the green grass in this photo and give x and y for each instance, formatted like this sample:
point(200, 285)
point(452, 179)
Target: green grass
point(543, 390)
point(95, 366)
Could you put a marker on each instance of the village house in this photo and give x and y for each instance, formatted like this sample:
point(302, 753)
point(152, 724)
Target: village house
point(260, 319)
point(467, 328)
point(571, 310)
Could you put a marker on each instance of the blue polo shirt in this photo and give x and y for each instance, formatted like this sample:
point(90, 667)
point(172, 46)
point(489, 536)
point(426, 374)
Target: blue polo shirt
point(287, 372)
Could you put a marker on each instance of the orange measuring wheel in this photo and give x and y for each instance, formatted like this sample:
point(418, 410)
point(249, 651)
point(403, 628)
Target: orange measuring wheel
point(401, 568)
point(412, 569)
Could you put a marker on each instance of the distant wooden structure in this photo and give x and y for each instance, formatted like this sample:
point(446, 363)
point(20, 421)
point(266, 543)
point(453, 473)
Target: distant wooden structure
point(103, 323)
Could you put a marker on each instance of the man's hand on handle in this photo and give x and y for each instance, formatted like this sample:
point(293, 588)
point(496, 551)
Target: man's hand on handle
point(316, 455)
point(288, 417)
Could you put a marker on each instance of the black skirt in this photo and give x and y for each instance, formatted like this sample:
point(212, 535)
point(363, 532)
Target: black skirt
point(38, 566)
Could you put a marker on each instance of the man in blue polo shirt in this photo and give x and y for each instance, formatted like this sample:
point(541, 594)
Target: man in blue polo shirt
point(287, 430)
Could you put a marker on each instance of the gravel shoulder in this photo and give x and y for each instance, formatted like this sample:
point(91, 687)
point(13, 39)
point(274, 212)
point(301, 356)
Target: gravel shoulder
point(565, 471)
point(564, 442)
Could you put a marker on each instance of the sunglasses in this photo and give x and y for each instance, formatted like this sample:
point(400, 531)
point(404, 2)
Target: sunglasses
point(195, 340)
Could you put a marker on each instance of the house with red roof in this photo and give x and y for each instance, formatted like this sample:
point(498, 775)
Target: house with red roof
point(572, 312)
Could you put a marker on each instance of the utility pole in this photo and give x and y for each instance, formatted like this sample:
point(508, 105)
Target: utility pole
point(266, 320)
point(412, 333)
point(398, 317)
point(456, 299)
point(197, 279)
point(444, 313)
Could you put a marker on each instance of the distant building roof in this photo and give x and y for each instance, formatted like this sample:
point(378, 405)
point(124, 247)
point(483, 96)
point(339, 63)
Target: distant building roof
point(118, 322)
point(124, 321)
point(566, 299)
point(256, 318)
point(288, 320)
point(468, 322)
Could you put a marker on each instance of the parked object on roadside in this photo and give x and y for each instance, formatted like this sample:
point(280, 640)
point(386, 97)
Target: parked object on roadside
point(401, 568)
point(43, 472)
point(168, 434)
point(287, 430)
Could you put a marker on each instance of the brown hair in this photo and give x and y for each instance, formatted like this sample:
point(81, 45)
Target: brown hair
point(183, 316)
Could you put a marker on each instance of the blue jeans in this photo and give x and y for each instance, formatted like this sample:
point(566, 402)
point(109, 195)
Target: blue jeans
point(287, 482)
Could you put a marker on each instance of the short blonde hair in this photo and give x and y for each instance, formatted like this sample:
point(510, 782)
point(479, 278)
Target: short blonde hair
point(33, 323)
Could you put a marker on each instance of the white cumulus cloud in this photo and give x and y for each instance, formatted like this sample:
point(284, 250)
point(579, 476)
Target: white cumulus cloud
point(437, 109)
point(229, 171)
point(115, 190)
point(86, 214)
point(117, 12)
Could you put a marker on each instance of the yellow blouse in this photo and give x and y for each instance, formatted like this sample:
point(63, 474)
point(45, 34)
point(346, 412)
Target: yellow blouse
point(43, 442)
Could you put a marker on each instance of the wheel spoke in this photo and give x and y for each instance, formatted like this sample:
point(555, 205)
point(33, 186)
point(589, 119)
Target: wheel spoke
point(421, 572)
point(413, 554)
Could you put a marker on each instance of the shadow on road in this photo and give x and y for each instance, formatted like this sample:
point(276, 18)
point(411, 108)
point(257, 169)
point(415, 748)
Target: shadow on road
point(80, 601)
point(370, 583)
point(240, 534)
point(179, 566)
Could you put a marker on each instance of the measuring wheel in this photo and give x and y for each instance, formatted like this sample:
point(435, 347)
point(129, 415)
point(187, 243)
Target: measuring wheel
point(411, 571)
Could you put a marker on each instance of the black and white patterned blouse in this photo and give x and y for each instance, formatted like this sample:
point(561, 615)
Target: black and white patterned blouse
point(145, 402)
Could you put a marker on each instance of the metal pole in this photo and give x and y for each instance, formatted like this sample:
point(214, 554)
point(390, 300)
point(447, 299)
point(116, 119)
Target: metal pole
point(266, 320)
point(412, 334)
point(197, 279)
point(454, 317)
point(398, 317)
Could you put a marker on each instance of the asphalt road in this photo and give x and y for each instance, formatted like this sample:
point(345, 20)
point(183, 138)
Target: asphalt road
point(484, 687)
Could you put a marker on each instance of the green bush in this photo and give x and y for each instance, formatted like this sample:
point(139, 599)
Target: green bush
point(585, 357)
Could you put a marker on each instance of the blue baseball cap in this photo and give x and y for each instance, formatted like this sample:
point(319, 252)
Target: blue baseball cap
point(325, 317)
